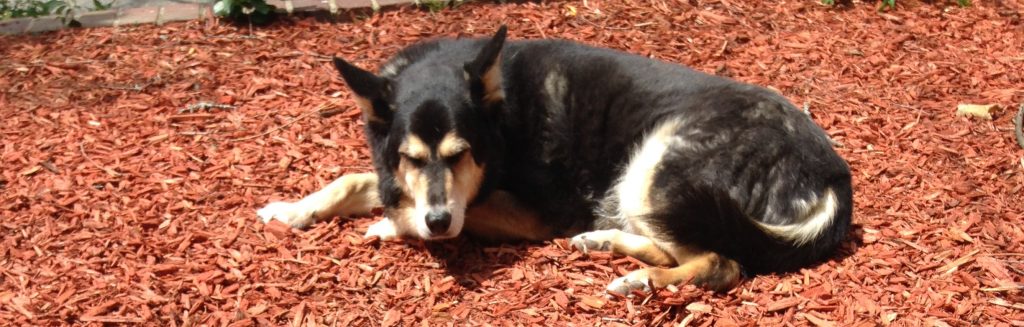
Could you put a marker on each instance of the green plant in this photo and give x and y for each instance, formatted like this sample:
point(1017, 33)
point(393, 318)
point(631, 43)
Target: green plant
point(438, 5)
point(97, 5)
point(256, 12)
point(23, 8)
point(65, 9)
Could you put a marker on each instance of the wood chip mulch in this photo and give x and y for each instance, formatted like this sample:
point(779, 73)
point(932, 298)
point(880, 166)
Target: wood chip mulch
point(133, 160)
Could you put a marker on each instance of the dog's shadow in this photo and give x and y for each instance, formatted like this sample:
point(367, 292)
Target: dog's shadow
point(474, 262)
point(848, 248)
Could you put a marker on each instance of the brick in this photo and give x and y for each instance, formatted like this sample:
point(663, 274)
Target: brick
point(45, 24)
point(393, 2)
point(15, 25)
point(98, 18)
point(276, 3)
point(305, 5)
point(352, 4)
point(180, 11)
point(135, 16)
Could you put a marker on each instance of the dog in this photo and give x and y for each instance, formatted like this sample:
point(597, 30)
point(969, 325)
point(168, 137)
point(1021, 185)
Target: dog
point(706, 179)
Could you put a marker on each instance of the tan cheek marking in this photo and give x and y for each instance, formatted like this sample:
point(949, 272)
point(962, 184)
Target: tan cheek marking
point(467, 178)
point(409, 180)
point(449, 184)
point(451, 145)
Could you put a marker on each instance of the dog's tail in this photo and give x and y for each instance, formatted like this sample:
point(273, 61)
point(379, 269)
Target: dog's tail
point(815, 218)
point(709, 218)
point(819, 227)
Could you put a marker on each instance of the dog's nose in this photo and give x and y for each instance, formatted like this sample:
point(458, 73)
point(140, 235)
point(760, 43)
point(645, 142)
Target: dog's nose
point(438, 221)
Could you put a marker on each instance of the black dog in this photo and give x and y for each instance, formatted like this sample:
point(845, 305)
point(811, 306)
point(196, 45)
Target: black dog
point(696, 174)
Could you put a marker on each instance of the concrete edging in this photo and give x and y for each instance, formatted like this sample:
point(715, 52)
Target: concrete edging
point(175, 12)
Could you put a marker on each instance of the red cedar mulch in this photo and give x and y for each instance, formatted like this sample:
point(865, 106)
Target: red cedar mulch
point(117, 206)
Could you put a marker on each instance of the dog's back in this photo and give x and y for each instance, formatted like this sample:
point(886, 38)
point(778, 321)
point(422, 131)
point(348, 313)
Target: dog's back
point(655, 148)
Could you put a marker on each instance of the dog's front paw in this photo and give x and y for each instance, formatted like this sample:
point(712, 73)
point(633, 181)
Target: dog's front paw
point(597, 240)
point(292, 213)
point(384, 229)
point(633, 281)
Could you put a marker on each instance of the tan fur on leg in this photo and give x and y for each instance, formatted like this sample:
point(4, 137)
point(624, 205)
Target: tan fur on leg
point(623, 243)
point(352, 194)
point(707, 270)
point(502, 218)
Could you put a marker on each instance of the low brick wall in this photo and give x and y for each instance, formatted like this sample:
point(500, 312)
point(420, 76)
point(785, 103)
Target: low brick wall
point(175, 12)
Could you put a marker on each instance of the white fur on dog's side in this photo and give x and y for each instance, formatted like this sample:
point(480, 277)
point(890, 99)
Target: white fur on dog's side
point(818, 215)
point(634, 185)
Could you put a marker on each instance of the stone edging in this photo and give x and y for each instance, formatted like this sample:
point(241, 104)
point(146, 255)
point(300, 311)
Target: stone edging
point(175, 12)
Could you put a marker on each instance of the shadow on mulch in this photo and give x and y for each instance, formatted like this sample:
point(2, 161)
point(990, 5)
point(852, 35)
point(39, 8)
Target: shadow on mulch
point(472, 261)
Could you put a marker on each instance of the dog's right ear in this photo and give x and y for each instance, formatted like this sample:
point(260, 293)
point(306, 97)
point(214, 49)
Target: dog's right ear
point(371, 91)
point(484, 73)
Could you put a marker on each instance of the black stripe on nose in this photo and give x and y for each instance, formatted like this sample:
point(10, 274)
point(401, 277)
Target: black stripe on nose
point(436, 193)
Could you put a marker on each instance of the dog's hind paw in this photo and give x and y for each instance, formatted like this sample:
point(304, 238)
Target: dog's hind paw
point(631, 282)
point(291, 213)
point(384, 229)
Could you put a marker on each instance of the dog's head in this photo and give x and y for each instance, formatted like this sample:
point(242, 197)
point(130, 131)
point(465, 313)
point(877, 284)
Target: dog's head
point(430, 121)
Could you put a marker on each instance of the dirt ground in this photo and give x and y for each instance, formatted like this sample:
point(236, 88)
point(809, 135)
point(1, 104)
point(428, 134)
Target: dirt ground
point(118, 204)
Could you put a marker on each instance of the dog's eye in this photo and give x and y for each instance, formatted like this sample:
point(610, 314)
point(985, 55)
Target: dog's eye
point(414, 161)
point(454, 159)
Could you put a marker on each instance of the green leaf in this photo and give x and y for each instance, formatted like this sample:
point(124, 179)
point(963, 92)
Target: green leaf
point(221, 8)
point(101, 6)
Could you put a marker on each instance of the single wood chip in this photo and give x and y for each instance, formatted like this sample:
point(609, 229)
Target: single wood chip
point(783, 304)
point(698, 307)
point(592, 302)
point(975, 110)
point(1007, 304)
point(952, 266)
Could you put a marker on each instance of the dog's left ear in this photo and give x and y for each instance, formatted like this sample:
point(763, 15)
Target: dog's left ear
point(371, 92)
point(484, 72)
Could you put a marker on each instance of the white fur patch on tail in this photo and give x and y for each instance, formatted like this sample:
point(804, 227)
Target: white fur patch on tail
point(816, 218)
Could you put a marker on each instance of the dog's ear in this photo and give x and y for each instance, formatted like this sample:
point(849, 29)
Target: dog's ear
point(484, 72)
point(371, 91)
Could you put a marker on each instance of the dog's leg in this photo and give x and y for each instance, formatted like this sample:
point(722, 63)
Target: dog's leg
point(623, 243)
point(502, 218)
point(709, 269)
point(353, 194)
